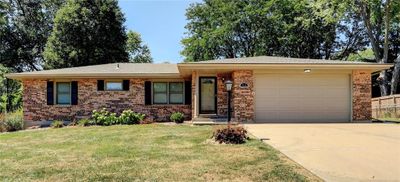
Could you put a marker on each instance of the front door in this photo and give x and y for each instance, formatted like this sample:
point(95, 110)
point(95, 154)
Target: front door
point(208, 93)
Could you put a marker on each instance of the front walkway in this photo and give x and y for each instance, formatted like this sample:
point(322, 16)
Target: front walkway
point(338, 152)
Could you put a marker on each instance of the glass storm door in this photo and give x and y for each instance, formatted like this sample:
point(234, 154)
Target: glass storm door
point(208, 89)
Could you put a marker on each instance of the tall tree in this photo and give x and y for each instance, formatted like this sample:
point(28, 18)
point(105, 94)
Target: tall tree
point(137, 50)
point(10, 92)
point(24, 28)
point(87, 32)
point(380, 21)
point(230, 29)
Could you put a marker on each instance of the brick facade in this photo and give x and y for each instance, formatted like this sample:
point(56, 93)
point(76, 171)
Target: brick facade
point(361, 95)
point(36, 109)
point(222, 94)
point(194, 96)
point(243, 98)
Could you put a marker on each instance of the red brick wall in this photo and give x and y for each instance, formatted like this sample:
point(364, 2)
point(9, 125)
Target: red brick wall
point(361, 95)
point(222, 94)
point(194, 97)
point(36, 108)
point(243, 98)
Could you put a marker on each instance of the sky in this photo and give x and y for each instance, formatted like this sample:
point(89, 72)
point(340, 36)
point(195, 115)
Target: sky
point(161, 24)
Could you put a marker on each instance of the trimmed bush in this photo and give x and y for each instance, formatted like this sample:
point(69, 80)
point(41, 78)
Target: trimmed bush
point(57, 124)
point(14, 122)
point(230, 135)
point(106, 118)
point(86, 122)
point(130, 117)
point(177, 117)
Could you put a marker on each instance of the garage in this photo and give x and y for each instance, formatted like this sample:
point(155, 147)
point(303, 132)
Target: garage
point(302, 97)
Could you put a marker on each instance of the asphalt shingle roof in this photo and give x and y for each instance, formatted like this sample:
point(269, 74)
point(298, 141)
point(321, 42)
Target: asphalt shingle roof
point(276, 60)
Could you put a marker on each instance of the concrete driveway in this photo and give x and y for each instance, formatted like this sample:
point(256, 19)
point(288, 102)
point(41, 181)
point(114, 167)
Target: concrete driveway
point(338, 152)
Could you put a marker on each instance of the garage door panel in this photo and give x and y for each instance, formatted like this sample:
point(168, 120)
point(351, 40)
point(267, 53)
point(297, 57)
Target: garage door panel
point(302, 98)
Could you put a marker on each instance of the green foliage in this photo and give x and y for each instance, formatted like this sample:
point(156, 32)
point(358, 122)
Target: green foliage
point(177, 117)
point(230, 29)
point(130, 117)
point(57, 124)
point(86, 32)
point(366, 55)
point(106, 118)
point(86, 122)
point(138, 52)
point(13, 122)
point(14, 92)
point(230, 135)
point(24, 29)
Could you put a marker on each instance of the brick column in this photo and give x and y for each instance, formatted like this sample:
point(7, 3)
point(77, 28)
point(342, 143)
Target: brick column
point(243, 97)
point(361, 95)
point(194, 98)
point(222, 94)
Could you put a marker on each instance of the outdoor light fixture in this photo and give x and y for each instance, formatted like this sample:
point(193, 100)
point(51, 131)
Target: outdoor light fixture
point(307, 70)
point(228, 85)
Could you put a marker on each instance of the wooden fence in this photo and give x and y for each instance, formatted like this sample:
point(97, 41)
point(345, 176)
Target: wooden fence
point(386, 107)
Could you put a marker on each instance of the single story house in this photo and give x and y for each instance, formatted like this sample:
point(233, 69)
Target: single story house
point(265, 89)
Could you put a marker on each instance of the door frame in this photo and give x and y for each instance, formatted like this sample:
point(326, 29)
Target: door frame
point(215, 98)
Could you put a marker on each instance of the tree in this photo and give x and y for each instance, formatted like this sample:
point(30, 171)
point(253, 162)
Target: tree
point(24, 28)
point(10, 92)
point(230, 29)
point(86, 32)
point(380, 22)
point(138, 52)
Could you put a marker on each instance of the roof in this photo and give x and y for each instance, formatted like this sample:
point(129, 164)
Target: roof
point(106, 70)
point(146, 70)
point(278, 60)
point(270, 62)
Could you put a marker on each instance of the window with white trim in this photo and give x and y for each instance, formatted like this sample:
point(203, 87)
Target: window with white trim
point(114, 85)
point(176, 93)
point(63, 93)
point(160, 93)
point(168, 93)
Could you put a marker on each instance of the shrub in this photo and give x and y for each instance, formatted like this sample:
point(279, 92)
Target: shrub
point(230, 135)
point(106, 118)
point(86, 122)
point(177, 117)
point(2, 127)
point(57, 124)
point(130, 117)
point(14, 121)
point(103, 117)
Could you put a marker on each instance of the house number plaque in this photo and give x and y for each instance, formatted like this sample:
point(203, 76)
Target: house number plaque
point(244, 85)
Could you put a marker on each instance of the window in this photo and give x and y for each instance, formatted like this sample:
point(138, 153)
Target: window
point(63, 90)
point(114, 85)
point(168, 93)
point(176, 93)
point(160, 93)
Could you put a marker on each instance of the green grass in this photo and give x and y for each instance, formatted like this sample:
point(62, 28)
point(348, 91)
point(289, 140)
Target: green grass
point(139, 152)
point(390, 119)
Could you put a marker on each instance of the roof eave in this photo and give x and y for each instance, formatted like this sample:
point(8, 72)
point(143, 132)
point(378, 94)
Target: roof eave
point(22, 76)
point(221, 66)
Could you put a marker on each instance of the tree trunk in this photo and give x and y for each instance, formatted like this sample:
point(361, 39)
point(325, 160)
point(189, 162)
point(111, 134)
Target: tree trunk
point(396, 76)
point(366, 16)
point(383, 83)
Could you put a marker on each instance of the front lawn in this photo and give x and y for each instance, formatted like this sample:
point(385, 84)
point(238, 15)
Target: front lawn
point(390, 119)
point(139, 152)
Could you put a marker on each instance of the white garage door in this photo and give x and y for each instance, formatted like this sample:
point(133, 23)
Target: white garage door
point(302, 97)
